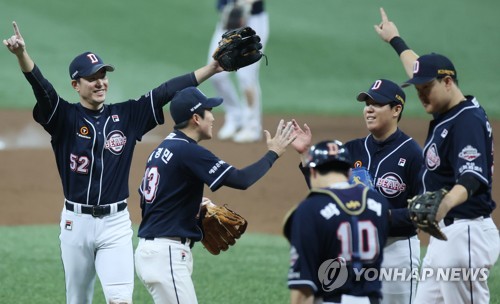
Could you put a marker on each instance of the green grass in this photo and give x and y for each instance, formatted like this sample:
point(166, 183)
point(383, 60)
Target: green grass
point(321, 53)
point(252, 272)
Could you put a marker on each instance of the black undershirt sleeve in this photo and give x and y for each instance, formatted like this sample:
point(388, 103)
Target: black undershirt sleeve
point(470, 183)
point(244, 178)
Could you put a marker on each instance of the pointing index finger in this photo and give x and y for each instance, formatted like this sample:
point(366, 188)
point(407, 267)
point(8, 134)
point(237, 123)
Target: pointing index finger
point(383, 15)
point(16, 29)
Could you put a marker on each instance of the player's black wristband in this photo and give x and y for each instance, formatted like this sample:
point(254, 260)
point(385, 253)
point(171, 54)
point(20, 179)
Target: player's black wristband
point(399, 45)
point(470, 183)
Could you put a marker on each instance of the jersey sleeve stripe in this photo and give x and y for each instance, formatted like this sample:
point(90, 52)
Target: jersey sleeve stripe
point(482, 178)
point(218, 178)
point(153, 107)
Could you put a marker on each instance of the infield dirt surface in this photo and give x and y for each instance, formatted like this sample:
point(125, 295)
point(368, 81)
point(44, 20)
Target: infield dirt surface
point(32, 193)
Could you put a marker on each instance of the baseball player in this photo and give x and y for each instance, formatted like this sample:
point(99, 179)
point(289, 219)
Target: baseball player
point(338, 229)
point(458, 156)
point(172, 190)
point(390, 158)
point(242, 103)
point(93, 145)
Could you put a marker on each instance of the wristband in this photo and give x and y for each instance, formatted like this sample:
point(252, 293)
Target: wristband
point(399, 45)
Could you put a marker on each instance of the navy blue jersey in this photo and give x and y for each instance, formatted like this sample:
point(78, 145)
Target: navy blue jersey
point(172, 187)
point(394, 165)
point(349, 223)
point(93, 149)
point(460, 142)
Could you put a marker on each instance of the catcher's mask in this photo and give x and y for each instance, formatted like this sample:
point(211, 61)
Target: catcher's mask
point(329, 151)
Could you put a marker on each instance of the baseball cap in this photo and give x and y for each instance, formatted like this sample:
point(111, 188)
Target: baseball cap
point(87, 64)
point(384, 91)
point(429, 67)
point(187, 101)
point(328, 151)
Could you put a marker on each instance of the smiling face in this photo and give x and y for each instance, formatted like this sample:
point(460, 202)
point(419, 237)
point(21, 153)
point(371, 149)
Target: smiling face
point(92, 89)
point(381, 119)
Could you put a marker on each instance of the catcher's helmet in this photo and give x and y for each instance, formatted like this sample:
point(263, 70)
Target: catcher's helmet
point(328, 151)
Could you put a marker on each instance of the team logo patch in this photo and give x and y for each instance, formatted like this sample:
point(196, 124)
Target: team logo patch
point(432, 160)
point(469, 153)
point(115, 142)
point(358, 164)
point(68, 225)
point(84, 130)
point(390, 185)
point(183, 256)
point(444, 133)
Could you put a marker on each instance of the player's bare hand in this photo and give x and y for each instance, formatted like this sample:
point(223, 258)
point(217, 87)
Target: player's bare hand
point(15, 43)
point(303, 137)
point(284, 136)
point(216, 66)
point(386, 29)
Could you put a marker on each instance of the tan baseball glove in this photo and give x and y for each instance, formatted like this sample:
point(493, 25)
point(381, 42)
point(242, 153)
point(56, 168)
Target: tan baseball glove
point(221, 227)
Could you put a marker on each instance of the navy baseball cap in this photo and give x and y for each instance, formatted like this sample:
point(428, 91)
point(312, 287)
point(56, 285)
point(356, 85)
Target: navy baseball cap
point(87, 64)
point(328, 151)
point(429, 67)
point(187, 101)
point(384, 91)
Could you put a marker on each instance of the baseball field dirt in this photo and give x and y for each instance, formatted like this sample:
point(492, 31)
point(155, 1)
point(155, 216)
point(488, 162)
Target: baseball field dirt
point(32, 193)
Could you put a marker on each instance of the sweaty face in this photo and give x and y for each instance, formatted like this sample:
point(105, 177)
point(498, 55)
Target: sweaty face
point(92, 89)
point(379, 118)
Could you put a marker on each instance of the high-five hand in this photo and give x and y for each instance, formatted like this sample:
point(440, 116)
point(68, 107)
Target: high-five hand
point(284, 136)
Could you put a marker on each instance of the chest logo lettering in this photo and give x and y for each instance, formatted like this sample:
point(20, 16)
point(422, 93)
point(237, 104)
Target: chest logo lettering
point(390, 185)
point(115, 142)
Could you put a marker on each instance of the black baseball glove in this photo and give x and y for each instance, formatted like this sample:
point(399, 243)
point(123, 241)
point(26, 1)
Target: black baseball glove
point(238, 48)
point(423, 209)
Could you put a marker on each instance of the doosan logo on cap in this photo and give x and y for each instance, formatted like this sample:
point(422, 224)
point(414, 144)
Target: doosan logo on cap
point(87, 64)
point(384, 91)
point(429, 67)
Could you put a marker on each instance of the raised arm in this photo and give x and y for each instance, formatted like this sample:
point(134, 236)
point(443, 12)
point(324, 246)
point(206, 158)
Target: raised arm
point(207, 71)
point(16, 45)
point(388, 32)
